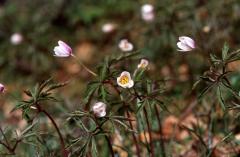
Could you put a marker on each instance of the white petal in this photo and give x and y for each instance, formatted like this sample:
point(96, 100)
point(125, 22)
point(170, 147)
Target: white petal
point(147, 8)
point(130, 84)
point(65, 46)
point(102, 114)
point(125, 73)
point(148, 17)
point(124, 45)
point(183, 47)
point(60, 52)
point(188, 41)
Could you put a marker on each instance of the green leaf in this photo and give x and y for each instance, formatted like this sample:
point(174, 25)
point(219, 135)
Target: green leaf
point(94, 148)
point(91, 88)
point(225, 50)
point(103, 93)
point(214, 59)
point(220, 98)
point(196, 84)
point(139, 74)
point(205, 90)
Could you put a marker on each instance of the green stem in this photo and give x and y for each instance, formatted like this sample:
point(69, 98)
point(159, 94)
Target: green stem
point(64, 151)
point(85, 67)
point(149, 131)
point(160, 131)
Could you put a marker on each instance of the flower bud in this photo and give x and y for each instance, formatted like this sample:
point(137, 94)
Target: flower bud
point(186, 44)
point(125, 45)
point(16, 38)
point(2, 88)
point(143, 64)
point(62, 50)
point(99, 109)
point(108, 27)
point(147, 12)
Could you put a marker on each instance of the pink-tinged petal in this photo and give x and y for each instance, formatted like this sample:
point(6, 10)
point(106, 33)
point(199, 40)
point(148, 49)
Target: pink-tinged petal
point(59, 52)
point(131, 84)
point(183, 47)
point(147, 8)
point(99, 109)
point(188, 41)
point(126, 73)
point(124, 45)
point(63, 44)
point(2, 88)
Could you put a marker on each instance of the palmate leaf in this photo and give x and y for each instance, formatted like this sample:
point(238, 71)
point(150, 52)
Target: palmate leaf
point(215, 59)
point(55, 86)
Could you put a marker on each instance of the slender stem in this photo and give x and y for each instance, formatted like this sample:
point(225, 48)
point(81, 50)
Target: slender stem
point(148, 124)
point(99, 126)
point(85, 67)
point(160, 132)
point(149, 131)
point(133, 135)
point(64, 151)
point(7, 145)
point(109, 145)
point(5, 138)
point(130, 122)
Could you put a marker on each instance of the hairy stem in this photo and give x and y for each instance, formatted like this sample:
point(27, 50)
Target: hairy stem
point(109, 145)
point(105, 136)
point(133, 135)
point(149, 131)
point(84, 66)
point(64, 151)
point(160, 132)
point(128, 116)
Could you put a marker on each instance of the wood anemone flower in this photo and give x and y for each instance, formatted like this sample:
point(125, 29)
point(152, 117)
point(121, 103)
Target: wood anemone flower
point(62, 50)
point(125, 80)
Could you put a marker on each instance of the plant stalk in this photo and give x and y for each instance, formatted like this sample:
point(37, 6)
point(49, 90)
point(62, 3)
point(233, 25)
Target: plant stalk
point(149, 131)
point(84, 66)
point(64, 151)
point(160, 132)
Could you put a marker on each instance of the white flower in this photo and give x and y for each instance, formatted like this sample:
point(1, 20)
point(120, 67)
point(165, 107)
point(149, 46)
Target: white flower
point(2, 88)
point(143, 64)
point(16, 38)
point(108, 27)
point(148, 17)
point(62, 50)
point(124, 45)
point(147, 12)
point(124, 80)
point(147, 8)
point(186, 44)
point(99, 109)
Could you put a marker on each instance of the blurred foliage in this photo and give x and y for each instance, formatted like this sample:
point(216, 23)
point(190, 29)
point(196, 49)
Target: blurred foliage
point(42, 23)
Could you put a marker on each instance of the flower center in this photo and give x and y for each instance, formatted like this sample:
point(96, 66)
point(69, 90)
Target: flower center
point(124, 79)
point(125, 44)
point(143, 65)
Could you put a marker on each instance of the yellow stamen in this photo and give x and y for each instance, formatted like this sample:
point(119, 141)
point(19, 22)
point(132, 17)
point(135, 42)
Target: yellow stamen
point(124, 79)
